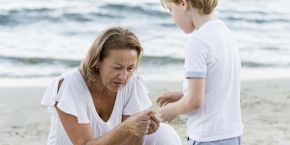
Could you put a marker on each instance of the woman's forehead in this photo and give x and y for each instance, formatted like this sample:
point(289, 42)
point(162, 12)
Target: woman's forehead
point(120, 52)
point(122, 55)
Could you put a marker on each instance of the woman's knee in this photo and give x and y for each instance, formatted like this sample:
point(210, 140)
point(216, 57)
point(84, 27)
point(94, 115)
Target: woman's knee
point(165, 135)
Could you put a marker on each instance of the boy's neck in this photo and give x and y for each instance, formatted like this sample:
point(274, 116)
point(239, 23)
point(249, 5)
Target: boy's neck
point(199, 20)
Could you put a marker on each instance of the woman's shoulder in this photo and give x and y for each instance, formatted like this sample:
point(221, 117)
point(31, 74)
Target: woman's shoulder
point(70, 96)
point(69, 74)
point(73, 79)
point(68, 84)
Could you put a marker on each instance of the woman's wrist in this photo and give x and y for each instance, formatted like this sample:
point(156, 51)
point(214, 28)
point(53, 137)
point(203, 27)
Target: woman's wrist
point(126, 128)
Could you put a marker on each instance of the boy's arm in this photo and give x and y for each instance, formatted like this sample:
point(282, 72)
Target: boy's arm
point(169, 97)
point(188, 103)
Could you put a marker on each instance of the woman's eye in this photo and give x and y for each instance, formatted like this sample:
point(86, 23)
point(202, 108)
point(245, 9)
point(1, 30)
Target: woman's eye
point(117, 68)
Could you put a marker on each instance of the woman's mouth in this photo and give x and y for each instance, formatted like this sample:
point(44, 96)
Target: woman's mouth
point(118, 84)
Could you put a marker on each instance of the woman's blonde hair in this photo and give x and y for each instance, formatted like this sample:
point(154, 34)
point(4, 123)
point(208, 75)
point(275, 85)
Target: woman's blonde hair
point(113, 38)
point(204, 6)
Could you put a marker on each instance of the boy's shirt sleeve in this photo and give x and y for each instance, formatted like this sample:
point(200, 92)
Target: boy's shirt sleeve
point(196, 55)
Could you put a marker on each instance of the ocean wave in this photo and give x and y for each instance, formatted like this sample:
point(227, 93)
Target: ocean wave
point(259, 16)
point(166, 25)
point(60, 17)
point(115, 11)
point(251, 64)
point(257, 20)
point(161, 60)
point(108, 11)
point(44, 67)
point(27, 75)
point(262, 33)
point(39, 61)
point(145, 61)
point(31, 10)
point(134, 9)
point(27, 16)
point(261, 12)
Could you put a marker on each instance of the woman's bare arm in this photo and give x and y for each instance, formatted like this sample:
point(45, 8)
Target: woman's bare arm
point(133, 129)
point(82, 134)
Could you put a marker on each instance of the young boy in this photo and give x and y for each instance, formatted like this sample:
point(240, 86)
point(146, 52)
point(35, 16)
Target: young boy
point(211, 90)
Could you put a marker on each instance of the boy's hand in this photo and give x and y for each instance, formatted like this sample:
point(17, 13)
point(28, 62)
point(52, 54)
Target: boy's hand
point(166, 114)
point(168, 97)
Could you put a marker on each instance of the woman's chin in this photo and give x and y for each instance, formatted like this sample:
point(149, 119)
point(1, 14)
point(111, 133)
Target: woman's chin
point(115, 88)
point(188, 31)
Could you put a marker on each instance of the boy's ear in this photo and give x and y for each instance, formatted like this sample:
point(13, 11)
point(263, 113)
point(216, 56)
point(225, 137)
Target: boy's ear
point(185, 4)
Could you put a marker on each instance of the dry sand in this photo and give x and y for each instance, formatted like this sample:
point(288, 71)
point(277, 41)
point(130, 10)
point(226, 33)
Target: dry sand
point(265, 112)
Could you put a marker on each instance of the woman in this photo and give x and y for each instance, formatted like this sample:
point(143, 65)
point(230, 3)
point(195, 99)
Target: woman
point(104, 101)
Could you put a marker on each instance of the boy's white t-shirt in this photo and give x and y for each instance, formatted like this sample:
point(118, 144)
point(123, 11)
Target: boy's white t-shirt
point(74, 98)
point(212, 53)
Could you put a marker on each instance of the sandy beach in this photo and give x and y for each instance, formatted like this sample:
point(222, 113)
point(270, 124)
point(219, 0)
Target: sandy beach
point(43, 39)
point(265, 112)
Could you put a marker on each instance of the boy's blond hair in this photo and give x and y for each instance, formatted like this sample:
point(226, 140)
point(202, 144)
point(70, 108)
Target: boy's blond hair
point(204, 6)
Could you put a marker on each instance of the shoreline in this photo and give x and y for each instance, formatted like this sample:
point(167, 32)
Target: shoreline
point(247, 74)
point(265, 111)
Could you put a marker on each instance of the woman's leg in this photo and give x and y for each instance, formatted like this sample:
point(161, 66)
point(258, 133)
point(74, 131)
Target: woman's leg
point(132, 140)
point(165, 135)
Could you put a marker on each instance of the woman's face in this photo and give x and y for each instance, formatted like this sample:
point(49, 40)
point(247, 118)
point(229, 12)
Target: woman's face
point(117, 68)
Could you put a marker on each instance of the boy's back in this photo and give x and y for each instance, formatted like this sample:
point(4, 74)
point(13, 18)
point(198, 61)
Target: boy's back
point(211, 92)
point(212, 53)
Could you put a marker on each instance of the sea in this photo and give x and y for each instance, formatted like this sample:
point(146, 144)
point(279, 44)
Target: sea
point(45, 38)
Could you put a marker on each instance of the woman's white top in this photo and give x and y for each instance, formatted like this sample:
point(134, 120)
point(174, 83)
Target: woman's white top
point(74, 98)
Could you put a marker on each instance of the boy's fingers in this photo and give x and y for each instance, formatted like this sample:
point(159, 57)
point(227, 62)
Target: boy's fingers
point(159, 99)
point(166, 103)
point(160, 102)
point(163, 102)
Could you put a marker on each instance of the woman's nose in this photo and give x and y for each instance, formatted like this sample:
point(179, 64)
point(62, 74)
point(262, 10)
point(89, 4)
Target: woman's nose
point(124, 75)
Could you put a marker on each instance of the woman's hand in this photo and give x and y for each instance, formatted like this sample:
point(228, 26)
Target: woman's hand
point(138, 124)
point(154, 125)
point(168, 97)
